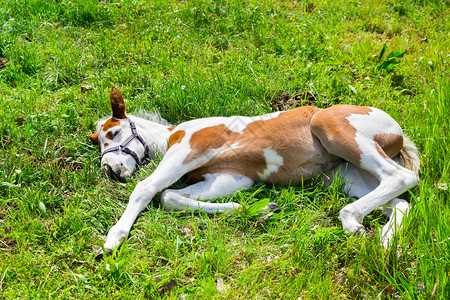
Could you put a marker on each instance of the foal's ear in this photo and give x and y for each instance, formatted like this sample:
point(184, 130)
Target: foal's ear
point(93, 138)
point(117, 104)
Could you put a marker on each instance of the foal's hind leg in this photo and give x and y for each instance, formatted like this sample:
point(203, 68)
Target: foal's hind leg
point(358, 183)
point(214, 185)
point(395, 210)
point(394, 181)
point(353, 133)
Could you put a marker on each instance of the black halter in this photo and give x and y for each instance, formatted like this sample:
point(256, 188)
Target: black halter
point(123, 147)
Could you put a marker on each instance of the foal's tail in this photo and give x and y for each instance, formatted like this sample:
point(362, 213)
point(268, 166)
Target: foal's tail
point(409, 156)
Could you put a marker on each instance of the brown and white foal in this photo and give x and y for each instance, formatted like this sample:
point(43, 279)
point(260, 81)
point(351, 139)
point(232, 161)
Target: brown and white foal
point(221, 155)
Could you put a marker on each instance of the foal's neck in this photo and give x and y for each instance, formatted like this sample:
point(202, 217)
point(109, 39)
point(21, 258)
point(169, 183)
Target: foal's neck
point(155, 134)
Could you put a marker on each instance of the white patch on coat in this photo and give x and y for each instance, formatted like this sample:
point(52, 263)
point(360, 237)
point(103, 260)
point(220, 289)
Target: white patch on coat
point(367, 127)
point(273, 161)
point(376, 122)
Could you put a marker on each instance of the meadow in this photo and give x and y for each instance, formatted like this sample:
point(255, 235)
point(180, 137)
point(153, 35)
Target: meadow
point(188, 59)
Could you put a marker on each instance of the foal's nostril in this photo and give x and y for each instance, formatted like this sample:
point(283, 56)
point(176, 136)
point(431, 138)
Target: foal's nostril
point(116, 175)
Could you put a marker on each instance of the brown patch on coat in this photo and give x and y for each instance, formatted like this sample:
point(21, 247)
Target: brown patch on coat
point(171, 128)
point(208, 139)
point(335, 132)
point(175, 138)
point(288, 134)
point(110, 123)
point(390, 144)
point(109, 136)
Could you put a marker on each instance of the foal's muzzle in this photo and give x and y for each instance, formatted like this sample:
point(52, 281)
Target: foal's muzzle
point(116, 175)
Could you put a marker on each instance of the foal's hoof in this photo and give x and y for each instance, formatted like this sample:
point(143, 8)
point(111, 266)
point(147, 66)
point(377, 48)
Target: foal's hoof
point(100, 254)
point(357, 231)
point(360, 230)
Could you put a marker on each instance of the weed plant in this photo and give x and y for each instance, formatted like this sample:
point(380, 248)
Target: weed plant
point(197, 58)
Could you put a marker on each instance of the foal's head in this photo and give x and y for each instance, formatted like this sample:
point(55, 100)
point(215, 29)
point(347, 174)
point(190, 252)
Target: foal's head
point(121, 147)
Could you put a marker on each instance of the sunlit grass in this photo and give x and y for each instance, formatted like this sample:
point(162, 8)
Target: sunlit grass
point(192, 59)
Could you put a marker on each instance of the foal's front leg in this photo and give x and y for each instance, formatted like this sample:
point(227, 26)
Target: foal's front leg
point(168, 172)
point(214, 185)
point(139, 199)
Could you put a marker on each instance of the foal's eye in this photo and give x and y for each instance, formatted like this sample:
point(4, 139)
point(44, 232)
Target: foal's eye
point(116, 132)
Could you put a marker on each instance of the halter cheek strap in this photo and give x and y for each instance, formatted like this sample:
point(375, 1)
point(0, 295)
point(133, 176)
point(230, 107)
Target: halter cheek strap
point(123, 147)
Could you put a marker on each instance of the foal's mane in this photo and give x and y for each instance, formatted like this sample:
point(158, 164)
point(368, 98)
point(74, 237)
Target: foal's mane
point(152, 116)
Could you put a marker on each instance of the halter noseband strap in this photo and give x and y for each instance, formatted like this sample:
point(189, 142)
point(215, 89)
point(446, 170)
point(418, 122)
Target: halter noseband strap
point(123, 147)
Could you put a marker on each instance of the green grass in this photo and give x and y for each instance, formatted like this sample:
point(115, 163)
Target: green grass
point(231, 57)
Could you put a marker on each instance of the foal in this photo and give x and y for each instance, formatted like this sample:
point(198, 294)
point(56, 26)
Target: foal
point(221, 155)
